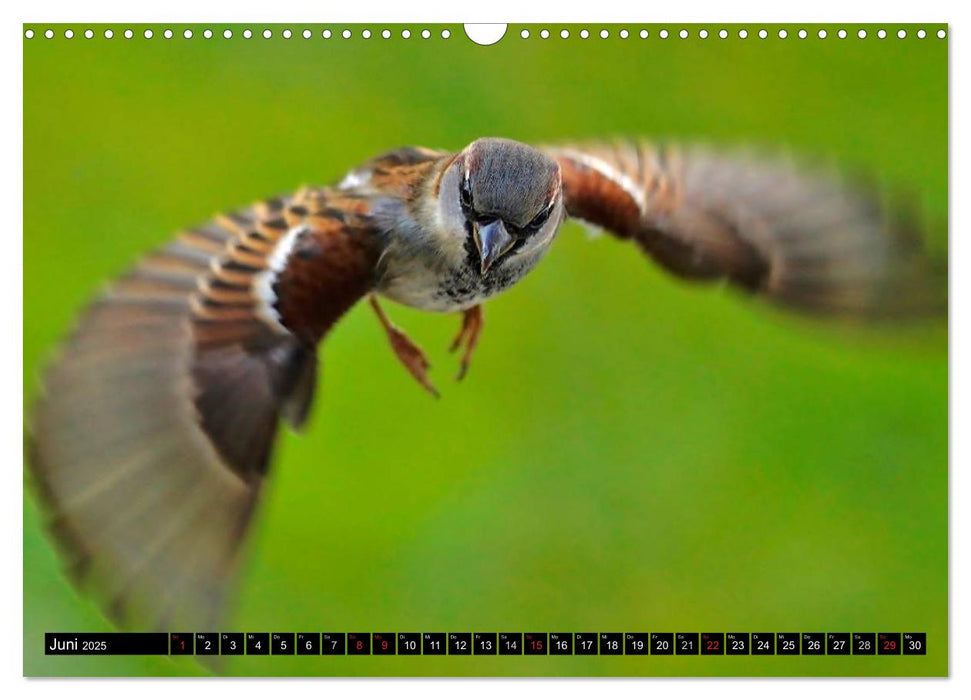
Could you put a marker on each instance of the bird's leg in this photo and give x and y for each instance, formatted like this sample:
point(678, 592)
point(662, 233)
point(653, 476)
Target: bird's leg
point(410, 355)
point(468, 335)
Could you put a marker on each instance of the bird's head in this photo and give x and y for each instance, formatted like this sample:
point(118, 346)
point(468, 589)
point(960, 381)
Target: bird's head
point(503, 198)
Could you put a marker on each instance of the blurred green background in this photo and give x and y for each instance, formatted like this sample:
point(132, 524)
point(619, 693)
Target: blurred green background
point(628, 453)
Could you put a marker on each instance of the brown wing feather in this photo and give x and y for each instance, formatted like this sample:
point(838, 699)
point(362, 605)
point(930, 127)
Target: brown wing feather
point(155, 427)
point(803, 238)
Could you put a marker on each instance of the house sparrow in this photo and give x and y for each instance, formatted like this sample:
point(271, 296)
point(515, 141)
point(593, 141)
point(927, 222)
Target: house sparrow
point(155, 430)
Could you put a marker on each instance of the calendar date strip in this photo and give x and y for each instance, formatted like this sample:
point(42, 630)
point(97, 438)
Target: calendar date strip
point(487, 643)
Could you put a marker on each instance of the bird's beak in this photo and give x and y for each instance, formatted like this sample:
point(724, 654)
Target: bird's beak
point(493, 241)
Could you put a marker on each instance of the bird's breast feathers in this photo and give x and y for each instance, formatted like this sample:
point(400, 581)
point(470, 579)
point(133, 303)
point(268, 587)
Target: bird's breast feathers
point(443, 277)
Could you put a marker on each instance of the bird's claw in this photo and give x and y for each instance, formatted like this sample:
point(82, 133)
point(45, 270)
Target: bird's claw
point(468, 335)
point(413, 358)
point(407, 352)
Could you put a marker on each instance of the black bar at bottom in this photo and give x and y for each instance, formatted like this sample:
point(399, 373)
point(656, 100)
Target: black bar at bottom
point(102, 643)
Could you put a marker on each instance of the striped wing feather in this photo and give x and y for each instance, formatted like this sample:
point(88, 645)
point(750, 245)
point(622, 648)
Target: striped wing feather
point(802, 237)
point(155, 427)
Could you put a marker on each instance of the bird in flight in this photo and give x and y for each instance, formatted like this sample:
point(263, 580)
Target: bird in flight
point(154, 432)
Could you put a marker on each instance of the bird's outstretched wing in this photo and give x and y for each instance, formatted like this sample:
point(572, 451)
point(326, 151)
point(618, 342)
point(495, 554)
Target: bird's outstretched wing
point(802, 237)
point(154, 430)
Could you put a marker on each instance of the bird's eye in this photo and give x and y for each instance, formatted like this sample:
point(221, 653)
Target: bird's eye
point(539, 219)
point(465, 195)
